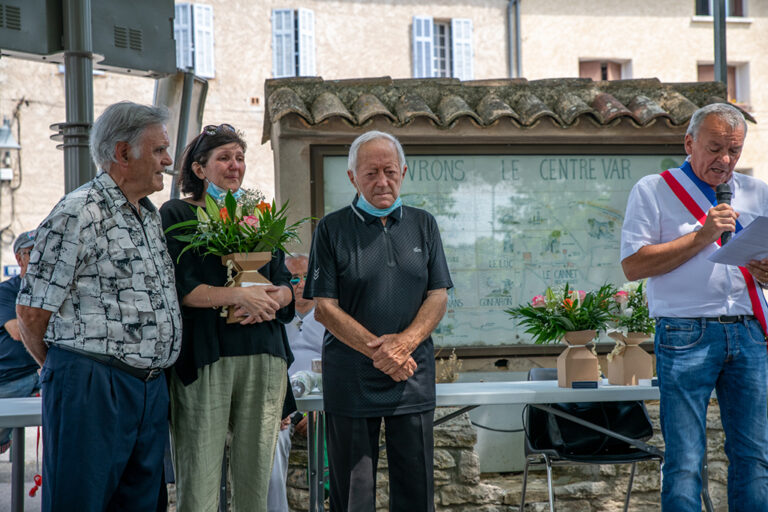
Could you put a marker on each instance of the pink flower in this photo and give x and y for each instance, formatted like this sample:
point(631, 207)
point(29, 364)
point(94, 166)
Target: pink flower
point(250, 220)
point(621, 297)
point(582, 294)
point(539, 302)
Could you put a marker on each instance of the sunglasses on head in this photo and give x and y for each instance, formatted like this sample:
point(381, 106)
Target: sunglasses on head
point(211, 129)
point(297, 278)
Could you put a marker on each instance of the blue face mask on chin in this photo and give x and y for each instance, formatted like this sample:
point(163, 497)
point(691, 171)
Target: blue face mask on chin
point(377, 212)
point(218, 193)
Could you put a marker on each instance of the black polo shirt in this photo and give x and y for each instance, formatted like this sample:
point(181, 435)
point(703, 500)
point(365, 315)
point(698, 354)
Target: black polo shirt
point(380, 276)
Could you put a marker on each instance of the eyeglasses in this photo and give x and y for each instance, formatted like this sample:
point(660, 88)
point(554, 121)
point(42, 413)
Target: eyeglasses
point(297, 278)
point(211, 129)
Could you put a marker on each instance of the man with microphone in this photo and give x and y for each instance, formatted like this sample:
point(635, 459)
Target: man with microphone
point(710, 317)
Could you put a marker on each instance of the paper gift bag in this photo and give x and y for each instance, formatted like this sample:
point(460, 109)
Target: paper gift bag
point(577, 362)
point(629, 363)
point(243, 270)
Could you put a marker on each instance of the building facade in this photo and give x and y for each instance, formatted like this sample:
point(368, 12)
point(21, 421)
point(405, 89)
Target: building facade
point(237, 45)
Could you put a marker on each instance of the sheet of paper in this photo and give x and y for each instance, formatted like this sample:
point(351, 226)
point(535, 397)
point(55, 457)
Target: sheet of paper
point(751, 243)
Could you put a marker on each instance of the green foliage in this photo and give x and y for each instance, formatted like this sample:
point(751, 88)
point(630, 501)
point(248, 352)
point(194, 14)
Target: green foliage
point(548, 317)
point(633, 312)
point(247, 225)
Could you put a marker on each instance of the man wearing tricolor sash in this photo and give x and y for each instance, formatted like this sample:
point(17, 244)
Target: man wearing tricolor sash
point(710, 317)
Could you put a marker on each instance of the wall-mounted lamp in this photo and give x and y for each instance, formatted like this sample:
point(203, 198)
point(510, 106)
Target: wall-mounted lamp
point(7, 144)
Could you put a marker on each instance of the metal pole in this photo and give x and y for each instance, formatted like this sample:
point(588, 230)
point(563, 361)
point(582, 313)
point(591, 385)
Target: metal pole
point(181, 134)
point(721, 61)
point(78, 77)
point(513, 24)
point(17, 470)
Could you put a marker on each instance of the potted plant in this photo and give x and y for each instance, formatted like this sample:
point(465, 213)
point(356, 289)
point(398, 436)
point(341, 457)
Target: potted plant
point(243, 232)
point(628, 363)
point(573, 316)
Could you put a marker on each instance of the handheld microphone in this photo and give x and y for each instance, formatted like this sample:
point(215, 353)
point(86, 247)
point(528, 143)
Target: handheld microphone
point(723, 195)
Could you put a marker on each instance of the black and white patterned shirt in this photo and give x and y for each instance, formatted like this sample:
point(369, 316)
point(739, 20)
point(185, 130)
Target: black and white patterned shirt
point(106, 276)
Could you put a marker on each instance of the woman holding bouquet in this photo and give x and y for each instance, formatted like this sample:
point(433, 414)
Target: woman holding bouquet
point(229, 378)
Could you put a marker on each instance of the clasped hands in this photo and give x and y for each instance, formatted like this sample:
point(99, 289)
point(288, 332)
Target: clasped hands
point(258, 303)
point(392, 355)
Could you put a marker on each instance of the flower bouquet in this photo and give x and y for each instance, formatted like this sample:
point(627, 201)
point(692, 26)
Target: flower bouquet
point(628, 363)
point(574, 316)
point(244, 233)
point(633, 309)
point(548, 317)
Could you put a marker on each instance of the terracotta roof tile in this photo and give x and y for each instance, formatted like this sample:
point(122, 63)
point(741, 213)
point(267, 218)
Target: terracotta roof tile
point(367, 106)
point(530, 107)
point(410, 106)
point(452, 107)
point(569, 106)
point(609, 108)
point(328, 105)
point(645, 110)
point(285, 101)
point(446, 100)
point(491, 108)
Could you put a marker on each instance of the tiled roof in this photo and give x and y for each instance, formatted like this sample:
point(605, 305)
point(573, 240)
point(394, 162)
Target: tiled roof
point(525, 103)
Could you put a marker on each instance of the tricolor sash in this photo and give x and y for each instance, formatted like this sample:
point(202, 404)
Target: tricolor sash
point(698, 198)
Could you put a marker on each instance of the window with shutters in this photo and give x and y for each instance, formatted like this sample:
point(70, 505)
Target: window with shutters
point(599, 70)
point(737, 76)
point(733, 8)
point(193, 31)
point(442, 48)
point(293, 43)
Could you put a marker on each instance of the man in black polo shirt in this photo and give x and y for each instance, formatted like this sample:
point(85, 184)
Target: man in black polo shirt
point(378, 275)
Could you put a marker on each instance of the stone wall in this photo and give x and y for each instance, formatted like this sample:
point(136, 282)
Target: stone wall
point(460, 487)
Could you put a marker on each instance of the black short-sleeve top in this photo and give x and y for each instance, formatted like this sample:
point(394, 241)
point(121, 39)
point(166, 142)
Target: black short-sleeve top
point(206, 335)
point(380, 276)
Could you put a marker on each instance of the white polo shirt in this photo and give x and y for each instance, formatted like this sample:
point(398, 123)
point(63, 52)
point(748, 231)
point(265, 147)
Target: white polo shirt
point(698, 287)
point(305, 336)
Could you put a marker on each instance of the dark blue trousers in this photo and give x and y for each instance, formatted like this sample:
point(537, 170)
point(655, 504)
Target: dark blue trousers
point(104, 433)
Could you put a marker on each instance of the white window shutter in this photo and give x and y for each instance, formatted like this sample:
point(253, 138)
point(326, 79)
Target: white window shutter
point(203, 26)
point(306, 38)
point(422, 29)
point(283, 50)
point(182, 32)
point(461, 48)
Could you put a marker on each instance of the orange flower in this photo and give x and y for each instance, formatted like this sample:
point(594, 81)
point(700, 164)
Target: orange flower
point(263, 206)
point(568, 303)
point(224, 214)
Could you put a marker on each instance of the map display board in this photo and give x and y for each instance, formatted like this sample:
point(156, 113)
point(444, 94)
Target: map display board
point(512, 225)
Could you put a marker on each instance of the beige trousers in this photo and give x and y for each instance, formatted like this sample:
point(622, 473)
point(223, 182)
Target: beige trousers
point(240, 395)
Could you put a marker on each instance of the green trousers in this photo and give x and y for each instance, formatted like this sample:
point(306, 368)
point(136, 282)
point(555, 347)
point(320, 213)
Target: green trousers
point(242, 396)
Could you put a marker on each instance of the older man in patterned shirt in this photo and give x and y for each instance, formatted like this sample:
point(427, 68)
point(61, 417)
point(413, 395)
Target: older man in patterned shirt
point(98, 310)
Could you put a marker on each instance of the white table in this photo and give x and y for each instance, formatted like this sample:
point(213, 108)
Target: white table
point(17, 413)
point(469, 395)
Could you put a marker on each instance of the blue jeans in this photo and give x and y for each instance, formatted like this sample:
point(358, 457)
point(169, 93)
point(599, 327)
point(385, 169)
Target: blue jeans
point(693, 357)
point(19, 388)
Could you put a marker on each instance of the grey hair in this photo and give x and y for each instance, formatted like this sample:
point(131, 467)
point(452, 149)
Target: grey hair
point(368, 137)
point(122, 122)
point(724, 111)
